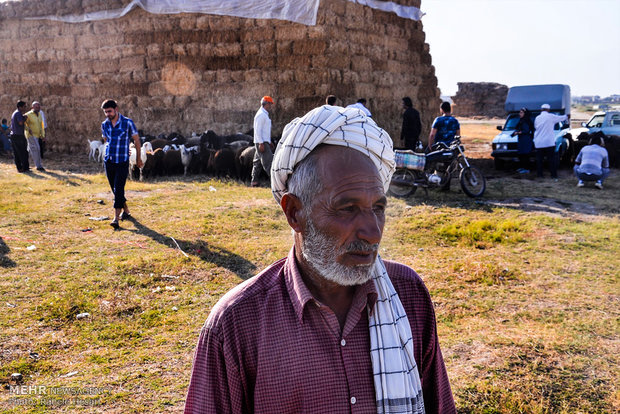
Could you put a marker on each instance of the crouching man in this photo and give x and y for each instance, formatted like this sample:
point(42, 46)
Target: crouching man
point(592, 163)
point(332, 328)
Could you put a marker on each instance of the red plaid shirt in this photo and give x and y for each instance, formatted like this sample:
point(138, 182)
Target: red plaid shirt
point(269, 347)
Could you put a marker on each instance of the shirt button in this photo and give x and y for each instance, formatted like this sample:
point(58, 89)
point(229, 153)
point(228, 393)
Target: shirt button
point(343, 342)
point(353, 400)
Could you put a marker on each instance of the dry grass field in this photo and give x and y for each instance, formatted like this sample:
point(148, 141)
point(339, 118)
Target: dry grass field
point(525, 283)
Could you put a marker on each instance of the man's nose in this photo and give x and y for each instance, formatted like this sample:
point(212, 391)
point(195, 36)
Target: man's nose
point(370, 227)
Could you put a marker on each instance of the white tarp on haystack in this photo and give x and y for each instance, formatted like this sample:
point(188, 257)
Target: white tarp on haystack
point(299, 11)
point(408, 12)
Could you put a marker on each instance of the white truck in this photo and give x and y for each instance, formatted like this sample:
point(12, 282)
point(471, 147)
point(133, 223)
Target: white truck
point(531, 97)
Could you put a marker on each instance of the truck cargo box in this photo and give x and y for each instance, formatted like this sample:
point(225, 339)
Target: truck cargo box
point(533, 96)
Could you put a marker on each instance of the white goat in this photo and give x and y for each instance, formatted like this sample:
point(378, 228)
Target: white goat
point(186, 156)
point(102, 151)
point(133, 158)
point(94, 146)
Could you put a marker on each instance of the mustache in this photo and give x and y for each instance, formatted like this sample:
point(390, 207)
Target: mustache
point(361, 246)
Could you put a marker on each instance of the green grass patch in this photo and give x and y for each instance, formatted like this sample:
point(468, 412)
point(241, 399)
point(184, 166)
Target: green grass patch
point(483, 233)
point(524, 282)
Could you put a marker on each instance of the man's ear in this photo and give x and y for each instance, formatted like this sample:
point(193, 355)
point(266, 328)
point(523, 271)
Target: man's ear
point(292, 207)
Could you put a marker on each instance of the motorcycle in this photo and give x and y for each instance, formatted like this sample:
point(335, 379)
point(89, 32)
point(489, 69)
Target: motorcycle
point(435, 170)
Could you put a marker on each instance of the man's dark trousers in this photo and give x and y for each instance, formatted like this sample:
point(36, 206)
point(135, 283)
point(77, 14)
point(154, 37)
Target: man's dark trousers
point(117, 177)
point(20, 152)
point(552, 159)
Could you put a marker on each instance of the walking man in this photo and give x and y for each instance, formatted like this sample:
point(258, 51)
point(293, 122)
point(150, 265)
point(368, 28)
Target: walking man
point(332, 327)
point(18, 138)
point(410, 133)
point(117, 131)
point(544, 140)
point(35, 132)
point(262, 140)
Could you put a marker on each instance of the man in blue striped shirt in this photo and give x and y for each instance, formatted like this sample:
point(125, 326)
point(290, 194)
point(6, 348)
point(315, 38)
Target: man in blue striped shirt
point(117, 130)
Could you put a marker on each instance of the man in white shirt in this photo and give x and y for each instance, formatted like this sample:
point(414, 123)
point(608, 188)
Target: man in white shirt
point(592, 163)
point(43, 140)
point(361, 105)
point(544, 140)
point(262, 140)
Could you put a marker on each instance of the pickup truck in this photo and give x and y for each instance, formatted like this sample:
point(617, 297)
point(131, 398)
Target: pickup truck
point(606, 122)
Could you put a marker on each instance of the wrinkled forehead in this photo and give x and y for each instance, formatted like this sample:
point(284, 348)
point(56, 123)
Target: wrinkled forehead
point(344, 167)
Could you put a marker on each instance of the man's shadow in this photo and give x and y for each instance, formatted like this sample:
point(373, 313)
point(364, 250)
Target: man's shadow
point(4, 260)
point(201, 249)
point(72, 181)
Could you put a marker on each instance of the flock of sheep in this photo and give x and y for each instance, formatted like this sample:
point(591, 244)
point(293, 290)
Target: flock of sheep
point(208, 153)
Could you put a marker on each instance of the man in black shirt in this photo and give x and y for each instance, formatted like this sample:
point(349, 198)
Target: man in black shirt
point(412, 126)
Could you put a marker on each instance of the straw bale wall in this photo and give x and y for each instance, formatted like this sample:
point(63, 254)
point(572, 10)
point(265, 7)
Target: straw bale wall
point(480, 99)
point(192, 72)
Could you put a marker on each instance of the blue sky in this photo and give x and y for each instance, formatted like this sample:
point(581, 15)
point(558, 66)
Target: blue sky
point(576, 42)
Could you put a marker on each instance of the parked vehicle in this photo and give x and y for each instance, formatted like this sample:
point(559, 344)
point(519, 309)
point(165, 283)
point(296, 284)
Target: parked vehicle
point(606, 122)
point(435, 170)
point(532, 97)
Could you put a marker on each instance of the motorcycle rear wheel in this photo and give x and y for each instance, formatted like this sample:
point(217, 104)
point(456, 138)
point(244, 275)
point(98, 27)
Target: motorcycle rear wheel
point(472, 181)
point(402, 175)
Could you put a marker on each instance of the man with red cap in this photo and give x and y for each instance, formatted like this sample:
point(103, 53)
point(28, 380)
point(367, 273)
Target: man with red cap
point(262, 139)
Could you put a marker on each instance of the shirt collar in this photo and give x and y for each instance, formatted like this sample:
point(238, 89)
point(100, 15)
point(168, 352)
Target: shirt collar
point(120, 117)
point(365, 295)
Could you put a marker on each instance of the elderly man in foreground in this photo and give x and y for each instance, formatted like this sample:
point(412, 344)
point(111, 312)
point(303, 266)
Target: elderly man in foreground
point(332, 328)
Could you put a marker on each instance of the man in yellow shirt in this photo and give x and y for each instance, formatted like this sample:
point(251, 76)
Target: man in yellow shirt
point(33, 127)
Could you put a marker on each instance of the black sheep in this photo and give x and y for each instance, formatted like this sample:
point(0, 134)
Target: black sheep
point(195, 164)
point(172, 162)
point(243, 162)
point(223, 162)
point(159, 143)
point(154, 163)
point(206, 159)
point(215, 141)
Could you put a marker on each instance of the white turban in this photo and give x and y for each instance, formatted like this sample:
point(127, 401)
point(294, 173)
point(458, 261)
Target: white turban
point(332, 125)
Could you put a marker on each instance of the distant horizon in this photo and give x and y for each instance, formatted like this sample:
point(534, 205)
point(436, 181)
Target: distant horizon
point(572, 95)
point(511, 42)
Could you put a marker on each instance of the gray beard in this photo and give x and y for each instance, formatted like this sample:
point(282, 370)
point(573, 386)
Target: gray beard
point(321, 253)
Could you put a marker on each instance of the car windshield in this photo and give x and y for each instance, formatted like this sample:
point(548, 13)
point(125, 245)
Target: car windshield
point(596, 121)
point(513, 120)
